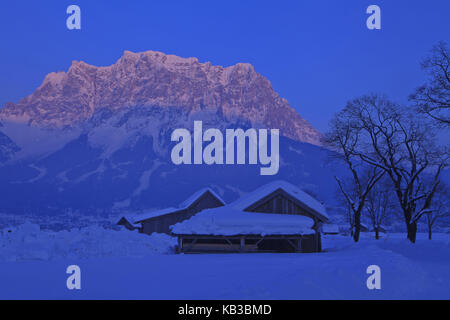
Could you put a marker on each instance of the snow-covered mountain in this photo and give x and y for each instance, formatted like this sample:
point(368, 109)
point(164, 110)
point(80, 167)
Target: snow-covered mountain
point(98, 138)
point(159, 80)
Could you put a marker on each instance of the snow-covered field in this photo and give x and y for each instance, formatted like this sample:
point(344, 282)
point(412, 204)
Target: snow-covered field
point(128, 265)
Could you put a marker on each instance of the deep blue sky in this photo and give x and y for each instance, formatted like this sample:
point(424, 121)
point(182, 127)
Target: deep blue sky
point(317, 54)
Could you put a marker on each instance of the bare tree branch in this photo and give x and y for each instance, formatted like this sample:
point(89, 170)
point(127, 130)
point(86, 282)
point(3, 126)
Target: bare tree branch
point(433, 98)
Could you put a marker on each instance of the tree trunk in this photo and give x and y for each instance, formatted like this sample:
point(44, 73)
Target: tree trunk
point(357, 227)
point(429, 233)
point(377, 233)
point(412, 231)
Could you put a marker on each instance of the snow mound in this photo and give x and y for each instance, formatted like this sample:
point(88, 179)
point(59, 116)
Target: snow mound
point(29, 242)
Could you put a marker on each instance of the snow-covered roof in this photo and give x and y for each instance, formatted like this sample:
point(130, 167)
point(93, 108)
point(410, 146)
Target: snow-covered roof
point(190, 201)
point(227, 221)
point(307, 200)
point(152, 214)
point(130, 220)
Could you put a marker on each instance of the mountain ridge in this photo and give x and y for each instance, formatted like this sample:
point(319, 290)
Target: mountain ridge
point(156, 79)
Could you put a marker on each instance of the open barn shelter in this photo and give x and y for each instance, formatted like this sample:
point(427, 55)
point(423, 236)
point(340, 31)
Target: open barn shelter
point(277, 217)
point(159, 221)
point(227, 230)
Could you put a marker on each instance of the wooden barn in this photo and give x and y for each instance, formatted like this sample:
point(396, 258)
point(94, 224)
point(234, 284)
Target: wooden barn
point(127, 223)
point(277, 217)
point(160, 220)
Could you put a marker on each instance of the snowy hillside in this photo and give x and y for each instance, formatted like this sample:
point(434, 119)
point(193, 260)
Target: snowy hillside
point(120, 161)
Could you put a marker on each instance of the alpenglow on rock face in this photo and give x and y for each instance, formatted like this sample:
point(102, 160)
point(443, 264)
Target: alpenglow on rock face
point(156, 79)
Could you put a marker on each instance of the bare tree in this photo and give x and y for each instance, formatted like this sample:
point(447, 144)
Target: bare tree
point(380, 204)
point(439, 208)
point(343, 137)
point(343, 204)
point(401, 145)
point(433, 98)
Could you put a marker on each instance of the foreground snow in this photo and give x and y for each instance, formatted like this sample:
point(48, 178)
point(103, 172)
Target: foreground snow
point(127, 265)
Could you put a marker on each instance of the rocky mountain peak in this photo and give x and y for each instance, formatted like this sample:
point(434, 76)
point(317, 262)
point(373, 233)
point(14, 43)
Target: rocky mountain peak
point(155, 79)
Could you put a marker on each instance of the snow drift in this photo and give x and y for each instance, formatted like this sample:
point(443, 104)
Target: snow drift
point(29, 242)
